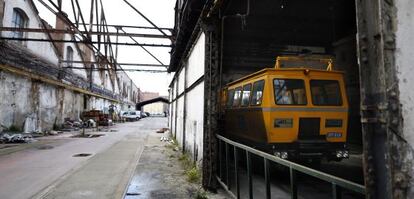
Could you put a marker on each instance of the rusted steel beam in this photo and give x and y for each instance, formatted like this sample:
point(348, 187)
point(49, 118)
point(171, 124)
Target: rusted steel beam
point(58, 31)
point(152, 55)
point(134, 27)
point(122, 64)
point(109, 69)
point(64, 17)
point(81, 17)
point(85, 42)
point(91, 16)
point(74, 13)
point(143, 16)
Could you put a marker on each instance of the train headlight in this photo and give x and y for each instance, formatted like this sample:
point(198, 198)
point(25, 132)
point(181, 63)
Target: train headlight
point(333, 123)
point(339, 154)
point(345, 154)
point(277, 154)
point(284, 155)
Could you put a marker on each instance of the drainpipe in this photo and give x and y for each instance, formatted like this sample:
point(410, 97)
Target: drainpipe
point(242, 17)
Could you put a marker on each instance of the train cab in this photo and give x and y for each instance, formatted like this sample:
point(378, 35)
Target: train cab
point(294, 113)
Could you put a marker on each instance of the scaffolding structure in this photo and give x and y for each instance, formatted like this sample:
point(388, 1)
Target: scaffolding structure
point(96, 35)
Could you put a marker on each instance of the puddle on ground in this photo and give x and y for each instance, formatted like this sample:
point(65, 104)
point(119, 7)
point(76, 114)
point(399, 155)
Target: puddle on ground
point(45, 147)
point(82, 155)
point(87, 136)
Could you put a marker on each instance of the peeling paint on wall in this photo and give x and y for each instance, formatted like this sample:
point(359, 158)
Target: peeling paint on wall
point(404, 64)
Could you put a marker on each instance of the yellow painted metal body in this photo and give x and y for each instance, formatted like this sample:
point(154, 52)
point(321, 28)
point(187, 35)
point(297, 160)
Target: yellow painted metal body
point(257, 122)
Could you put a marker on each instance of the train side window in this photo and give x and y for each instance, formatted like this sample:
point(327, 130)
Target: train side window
point(246, 95)
point(237, 96)
point(257, 94)
point(230, 95)
point(290, 92)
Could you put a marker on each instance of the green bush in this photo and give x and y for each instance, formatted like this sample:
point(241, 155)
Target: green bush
point(13, 128)
point(193, 175)
point(201, 194)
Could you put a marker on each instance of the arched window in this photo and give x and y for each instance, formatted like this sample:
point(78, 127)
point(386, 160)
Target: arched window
point(20, 20)
point(69, 56)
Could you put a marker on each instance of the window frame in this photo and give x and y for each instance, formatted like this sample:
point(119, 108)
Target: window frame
point(339, 91)
point(254, 91)
point(304, 88)
point(230, 99)
point(69, 55)
point(239, 100)
point(19, 20)
point(248, 98)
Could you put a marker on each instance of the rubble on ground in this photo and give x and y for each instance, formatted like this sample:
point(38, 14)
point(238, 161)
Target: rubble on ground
point(164, 139)
point(16, 138)
point(72, 125)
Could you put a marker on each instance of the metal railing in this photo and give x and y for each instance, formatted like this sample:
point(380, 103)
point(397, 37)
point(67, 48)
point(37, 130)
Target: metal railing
point(337, 183)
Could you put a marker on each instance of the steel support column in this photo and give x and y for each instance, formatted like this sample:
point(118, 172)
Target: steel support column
point(386, 153)
point(211, 113)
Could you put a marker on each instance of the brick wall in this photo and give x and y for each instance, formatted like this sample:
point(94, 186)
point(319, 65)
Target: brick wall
point(149, 95)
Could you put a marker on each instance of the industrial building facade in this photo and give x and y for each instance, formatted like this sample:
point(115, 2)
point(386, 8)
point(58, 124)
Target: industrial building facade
point(220, 41)
point(187, 102)
point(44, 83)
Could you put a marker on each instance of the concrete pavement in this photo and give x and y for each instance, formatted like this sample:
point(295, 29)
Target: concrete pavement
point(53, 172)
point(160, 174)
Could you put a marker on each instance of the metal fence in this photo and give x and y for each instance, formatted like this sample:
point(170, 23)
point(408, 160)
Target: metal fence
point(337, 184)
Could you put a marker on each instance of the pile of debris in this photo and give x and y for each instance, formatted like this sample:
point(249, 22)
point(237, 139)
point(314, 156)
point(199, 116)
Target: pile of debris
point(76, 125)
point(165, 139)
point(16, 138)
point(72, 125)
point(170, 142)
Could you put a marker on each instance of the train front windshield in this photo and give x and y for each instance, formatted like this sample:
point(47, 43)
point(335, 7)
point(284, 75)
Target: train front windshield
point(293, 92)
point(290, 92)
point(325, 93)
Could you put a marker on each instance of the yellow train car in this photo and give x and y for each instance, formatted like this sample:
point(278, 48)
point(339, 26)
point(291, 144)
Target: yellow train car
point(293, 113)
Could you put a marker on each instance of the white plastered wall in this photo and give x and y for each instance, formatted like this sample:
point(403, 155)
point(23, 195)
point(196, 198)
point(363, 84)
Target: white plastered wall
point(194, 106)
point(44, 50)
point(405, 63)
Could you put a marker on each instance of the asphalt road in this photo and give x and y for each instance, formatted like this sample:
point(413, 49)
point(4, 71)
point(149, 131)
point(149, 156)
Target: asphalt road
point(50, 170)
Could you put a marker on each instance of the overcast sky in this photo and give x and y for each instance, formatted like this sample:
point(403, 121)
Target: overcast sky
point(160, 12)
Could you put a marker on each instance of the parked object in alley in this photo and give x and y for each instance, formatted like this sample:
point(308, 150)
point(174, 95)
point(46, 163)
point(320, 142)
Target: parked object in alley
point(98, 117)
point(132, 115)
point(293, 113)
